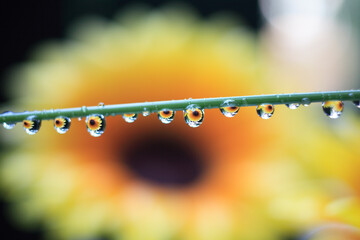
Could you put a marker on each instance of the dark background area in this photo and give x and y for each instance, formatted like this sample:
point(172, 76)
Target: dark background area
point(26, 24)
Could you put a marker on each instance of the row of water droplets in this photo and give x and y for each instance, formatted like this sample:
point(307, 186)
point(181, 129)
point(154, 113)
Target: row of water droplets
point(193, 115)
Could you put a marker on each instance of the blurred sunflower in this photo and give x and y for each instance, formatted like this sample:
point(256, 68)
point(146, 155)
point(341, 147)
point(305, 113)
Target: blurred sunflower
point(241, 178)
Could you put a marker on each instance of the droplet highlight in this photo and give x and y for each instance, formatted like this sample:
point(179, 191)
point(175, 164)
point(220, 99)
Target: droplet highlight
point(265, 111)
point(229, 108)
point(8, 125)
point(95, 124)
point(130, 117)
point(31, 125)
point(293, 105)
point(333, 109)
point(357, 103)
point(166, 116)
point(194, 115)
point(62, 124)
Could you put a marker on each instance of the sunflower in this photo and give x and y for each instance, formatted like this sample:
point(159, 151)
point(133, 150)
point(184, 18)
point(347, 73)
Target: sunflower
point(238, 178)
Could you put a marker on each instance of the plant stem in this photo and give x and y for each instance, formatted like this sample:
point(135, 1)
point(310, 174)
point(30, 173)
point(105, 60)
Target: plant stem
point(242, 101)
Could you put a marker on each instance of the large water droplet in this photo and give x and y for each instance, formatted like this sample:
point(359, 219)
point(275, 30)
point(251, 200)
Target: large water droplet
point(8, 125)
point(166, 116)
point(293, 105)
point(333, 109)
point(194, 115)
point(31, 125)
point(357, 103)
point(95, 124)
point(306, 102)
point(265, 111)
point(62, 124)
point(130, 117)
point(229, 108)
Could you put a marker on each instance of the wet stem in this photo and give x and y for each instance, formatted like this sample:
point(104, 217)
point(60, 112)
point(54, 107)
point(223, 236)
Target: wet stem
point(179, 105)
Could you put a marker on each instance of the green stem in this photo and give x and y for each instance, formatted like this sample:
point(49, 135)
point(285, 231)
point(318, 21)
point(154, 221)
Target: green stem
point(242, 101)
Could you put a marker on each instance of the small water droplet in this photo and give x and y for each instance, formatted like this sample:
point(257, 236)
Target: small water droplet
point(79, 119)
point(333, 109)
point(95, 124)
point(306, 102)
point(101, 104)
point(62, 124)
point(229, 108)
point(146, 113)
point(293, 105)
point(31, 125)
point(166, 116)
point(8, 125)
point(357, 103)
point(265, 111)
point(130, 117)
point(244, 102)
point(194, 115)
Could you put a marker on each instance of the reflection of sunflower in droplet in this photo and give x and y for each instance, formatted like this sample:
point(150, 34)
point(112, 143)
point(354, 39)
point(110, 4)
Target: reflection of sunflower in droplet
point(227, 179)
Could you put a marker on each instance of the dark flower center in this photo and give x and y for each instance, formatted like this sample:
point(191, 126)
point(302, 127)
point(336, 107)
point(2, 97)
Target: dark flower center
point(164, 159)
point(196, 113)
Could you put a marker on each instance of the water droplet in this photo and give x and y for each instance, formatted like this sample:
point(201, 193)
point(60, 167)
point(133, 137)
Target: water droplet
point(130, 117)
point(306, 102)
point(146, 113)
point(101, 104)
point(229, 108)
point(333, 109)
point(166, 116)
point(79, 119)
point(293, 105)
point(31, 125)
point(62, 124)
point(194, 115)
point(84, 109)
point(333, 231)
point(8, 125)
point(357, 103)
point(95, 124)
point(265, 111)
